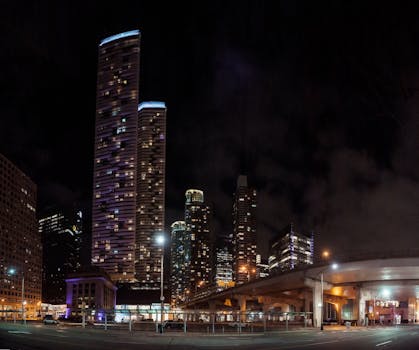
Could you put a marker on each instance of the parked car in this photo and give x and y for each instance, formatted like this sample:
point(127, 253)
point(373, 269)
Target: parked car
point(48, 319)
point(171, 324)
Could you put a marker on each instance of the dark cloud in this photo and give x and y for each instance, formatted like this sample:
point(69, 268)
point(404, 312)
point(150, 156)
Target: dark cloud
point(317, 102)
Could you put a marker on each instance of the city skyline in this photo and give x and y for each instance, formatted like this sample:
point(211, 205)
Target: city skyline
point(323, 122)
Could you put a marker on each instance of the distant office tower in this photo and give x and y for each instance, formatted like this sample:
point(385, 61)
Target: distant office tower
point(262, 267)
point(224, 269)
point(180, 262)
point(290, 249)
point(150, 193)
point(20, 242)
point(61, 236)
point(244, 232)
point(198, 228)
point(114, 180)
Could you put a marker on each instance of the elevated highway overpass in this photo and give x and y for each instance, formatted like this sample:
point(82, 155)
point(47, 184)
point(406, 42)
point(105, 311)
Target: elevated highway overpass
point(379, 289)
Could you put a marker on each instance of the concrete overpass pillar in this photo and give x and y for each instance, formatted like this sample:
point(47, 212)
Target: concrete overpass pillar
point(306, 301)
point(317, 304)
point(212, 305)
point(362, 296)
point(242, 303)
point(411, 309)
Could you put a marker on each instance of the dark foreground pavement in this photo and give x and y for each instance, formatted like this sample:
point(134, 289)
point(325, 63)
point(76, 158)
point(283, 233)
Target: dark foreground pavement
point(33, 337)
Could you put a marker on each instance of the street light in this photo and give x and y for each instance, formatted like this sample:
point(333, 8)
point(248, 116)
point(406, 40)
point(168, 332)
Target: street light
point(160, 241)
point(12, 271)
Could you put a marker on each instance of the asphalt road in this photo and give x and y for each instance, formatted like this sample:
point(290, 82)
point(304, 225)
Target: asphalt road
point(34, 337)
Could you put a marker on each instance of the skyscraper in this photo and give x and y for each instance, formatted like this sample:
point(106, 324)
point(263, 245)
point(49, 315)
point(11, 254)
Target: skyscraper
point(150, 192)
point(244, 232)
point(129, 169)
point(61, 235)
point(20, 242)
point(115, 162)
point(180, 262)
point(198, 228)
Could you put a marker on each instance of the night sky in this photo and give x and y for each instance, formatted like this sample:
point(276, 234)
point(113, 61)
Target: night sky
point(317, 102)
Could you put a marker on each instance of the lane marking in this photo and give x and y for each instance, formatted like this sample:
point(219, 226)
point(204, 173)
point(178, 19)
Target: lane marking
point(19, 332)
point(386, 342)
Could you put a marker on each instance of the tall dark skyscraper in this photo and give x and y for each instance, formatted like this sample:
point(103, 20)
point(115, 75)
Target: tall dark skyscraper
point(115, 162)
point(129, 169)
point(61, 235)
point(150, 192)
point(244, 232)
point(198, 228)
point(20, 242)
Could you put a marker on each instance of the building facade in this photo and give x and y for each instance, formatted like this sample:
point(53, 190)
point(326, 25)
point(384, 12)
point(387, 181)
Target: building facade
point(90, 291)
point(180, 259)
point(224, 269)
point(151, 160)
point(20, 243)
point(61, 235)
point(198, 228)
point(290, 249)
point(115, 156)
point(244, 232)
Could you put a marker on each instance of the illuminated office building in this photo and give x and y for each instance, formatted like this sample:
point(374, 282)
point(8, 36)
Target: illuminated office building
point(244, 232)
point(180, 262)
point(61, 235)
point(198, 228)
point(150, 192)
point(20, 242)
point(224, 269)
point(290, 249)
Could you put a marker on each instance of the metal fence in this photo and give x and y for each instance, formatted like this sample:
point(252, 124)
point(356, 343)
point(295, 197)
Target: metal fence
point(198, 321)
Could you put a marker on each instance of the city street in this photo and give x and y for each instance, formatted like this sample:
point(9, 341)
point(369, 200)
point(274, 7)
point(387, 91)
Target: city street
point(36, 336)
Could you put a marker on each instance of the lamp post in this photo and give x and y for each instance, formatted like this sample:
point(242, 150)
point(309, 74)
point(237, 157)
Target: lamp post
point(12, 271)
point(160, 241)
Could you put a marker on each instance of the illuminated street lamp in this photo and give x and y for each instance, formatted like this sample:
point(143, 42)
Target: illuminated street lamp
point(160, 241)
point(12, 271)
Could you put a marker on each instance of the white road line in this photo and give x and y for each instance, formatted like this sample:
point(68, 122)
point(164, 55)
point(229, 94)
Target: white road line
point(386, 342)
point(19, 332)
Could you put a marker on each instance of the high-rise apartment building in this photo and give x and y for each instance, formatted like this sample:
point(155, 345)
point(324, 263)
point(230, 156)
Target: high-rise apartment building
point(20, 242)
point(129, 168)
point(290, 249)
point(198, 228)
point(61, 235)
point(244, 232)
point(151, 161)
point(115, 162)
point(179, 262)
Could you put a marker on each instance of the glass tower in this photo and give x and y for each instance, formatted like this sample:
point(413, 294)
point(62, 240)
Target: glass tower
point(151, 160)
point(115, 156)
point(198, 220)
point(180, 262)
